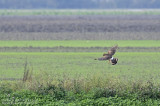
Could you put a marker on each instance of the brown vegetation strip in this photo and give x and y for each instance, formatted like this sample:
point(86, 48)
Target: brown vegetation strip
point(79, 36)
point(80, 28)
point(77, 49)
point(80, 24)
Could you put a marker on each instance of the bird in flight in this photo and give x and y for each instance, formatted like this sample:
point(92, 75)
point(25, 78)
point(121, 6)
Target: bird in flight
point(109, 56)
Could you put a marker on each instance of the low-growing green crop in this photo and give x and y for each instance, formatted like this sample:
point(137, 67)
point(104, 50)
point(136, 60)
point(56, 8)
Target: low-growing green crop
point(68, 78)
point(131, 65)
point(57, 95)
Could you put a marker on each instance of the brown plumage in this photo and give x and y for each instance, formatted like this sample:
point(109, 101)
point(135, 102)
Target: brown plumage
point(109, 55)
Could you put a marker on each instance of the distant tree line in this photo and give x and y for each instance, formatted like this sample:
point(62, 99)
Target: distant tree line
point(78, 4)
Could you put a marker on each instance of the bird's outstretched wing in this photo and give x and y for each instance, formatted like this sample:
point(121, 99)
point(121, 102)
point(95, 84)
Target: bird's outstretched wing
point(112, 51)
point(106, 57)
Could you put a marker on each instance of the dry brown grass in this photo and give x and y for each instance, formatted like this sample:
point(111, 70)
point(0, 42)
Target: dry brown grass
point(80, 28)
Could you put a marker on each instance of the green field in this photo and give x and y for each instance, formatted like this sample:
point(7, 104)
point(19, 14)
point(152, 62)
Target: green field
point(75, 78)
point(49, 59)
point(15, 12)
point(78, 79)
point(130, 66)
point(82, 43)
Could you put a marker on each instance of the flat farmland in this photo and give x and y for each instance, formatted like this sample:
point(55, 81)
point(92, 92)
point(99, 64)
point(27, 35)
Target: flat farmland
point(80, 46)
point(123, 27)
point(82, 43)
point(80, 76)
point(130, 66)
point(50, 59)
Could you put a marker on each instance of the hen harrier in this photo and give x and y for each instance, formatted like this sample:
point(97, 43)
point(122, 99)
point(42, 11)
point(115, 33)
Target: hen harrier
point(109, 55)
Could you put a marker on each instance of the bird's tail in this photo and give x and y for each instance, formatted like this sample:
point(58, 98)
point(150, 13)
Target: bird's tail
point(95, 59)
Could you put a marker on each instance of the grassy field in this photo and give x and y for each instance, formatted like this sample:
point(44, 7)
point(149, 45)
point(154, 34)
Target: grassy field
point(80, 12)
point(79, 46)
point(50, 59)
point(130, 66)
point(76, 78)
point(82, 43)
